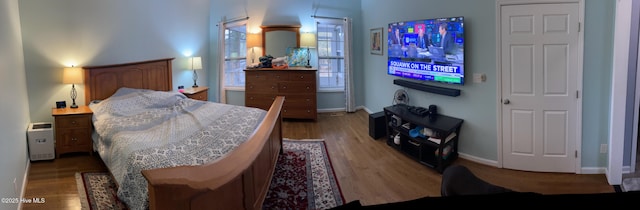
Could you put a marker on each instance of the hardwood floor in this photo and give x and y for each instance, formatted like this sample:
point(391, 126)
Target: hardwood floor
point(55, 181)
point(368, 170)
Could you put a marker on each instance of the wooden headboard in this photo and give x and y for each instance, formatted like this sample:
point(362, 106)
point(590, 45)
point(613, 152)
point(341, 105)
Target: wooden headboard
point(102, 81)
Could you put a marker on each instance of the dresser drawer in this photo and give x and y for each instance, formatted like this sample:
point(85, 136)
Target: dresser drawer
point(300, 101)
point(302, 76)
point(72, 138)
point(256, 76)
point(297, 113)
point(73, 121)
point(203, 96)
point(262, 101)
point(296, 87)
point(266, 75)
point(261, 87)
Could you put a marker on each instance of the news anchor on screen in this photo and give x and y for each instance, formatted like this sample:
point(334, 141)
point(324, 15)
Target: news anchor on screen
point(423, 40)
point(446, 41)
point(397, 37)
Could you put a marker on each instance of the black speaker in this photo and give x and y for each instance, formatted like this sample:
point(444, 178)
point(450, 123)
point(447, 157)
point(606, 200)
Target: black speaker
point(433, 109)
point(376, 125)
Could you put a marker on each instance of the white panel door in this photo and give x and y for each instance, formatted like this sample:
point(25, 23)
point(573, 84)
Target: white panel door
point(539, 54)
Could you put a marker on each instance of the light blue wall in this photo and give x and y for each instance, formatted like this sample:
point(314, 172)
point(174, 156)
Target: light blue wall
point(477, 104)
point(598, 61)
point(13, 106)
point(284, 12)
point(58, 34)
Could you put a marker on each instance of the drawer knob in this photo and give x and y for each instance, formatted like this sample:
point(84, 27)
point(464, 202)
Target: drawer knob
point(251, 98)
point(308, 87)
point(284, 87)
point(308, 111)
point(273, 87)
point(74, 122)
point(301, 77)
point(74, 139)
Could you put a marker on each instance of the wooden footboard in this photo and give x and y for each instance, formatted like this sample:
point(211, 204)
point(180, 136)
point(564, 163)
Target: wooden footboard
point(240, 180)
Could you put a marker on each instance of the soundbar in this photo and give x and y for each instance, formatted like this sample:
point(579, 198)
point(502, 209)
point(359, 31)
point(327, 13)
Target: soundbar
point(427, 88)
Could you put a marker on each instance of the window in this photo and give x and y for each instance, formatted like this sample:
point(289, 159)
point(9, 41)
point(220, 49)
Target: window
point(331, 64)
point(235, 54)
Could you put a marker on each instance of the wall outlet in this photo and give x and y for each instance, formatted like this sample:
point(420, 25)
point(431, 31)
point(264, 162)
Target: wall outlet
point(603, 148)
point(478, 78)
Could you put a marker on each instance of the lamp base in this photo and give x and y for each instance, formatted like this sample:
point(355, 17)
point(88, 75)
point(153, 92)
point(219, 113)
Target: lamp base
point(308, 66)
point(194, 86)
point(73, 106)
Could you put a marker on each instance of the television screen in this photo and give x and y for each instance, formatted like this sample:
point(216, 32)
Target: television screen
point(430, 50)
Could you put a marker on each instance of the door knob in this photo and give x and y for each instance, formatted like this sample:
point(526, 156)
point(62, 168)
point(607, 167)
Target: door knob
point(506, 101)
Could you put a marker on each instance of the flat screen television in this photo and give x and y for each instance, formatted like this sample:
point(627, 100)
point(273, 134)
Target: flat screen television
point(429, 50)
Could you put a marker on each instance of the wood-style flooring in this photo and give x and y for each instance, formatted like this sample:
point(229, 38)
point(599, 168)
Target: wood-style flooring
point(367, 170)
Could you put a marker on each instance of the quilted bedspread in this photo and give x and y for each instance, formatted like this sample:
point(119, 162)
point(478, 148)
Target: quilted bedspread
point(139, 129)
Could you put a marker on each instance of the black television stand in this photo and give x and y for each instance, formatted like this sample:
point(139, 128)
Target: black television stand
point(431, 140)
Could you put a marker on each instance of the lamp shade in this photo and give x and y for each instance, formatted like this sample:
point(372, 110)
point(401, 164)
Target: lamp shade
point(308, 40)
point(254, 40)
point(196, 63)
point(72, 75)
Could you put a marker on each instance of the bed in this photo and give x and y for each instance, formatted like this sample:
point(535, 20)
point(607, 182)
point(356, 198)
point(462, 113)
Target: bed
point(237, 176)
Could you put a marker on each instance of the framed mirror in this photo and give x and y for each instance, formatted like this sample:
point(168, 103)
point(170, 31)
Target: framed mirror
point(276, 39)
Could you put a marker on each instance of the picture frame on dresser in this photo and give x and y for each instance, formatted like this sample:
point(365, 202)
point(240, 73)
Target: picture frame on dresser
point(297, 56)
point(61, 104)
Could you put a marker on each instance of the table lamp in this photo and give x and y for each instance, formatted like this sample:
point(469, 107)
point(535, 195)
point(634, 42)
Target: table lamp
point(196, 64)
point(308, 40)
point(253, 41)
point(73, 76)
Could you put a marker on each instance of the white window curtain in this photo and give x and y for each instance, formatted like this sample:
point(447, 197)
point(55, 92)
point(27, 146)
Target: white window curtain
point(223, 92)
point(348, 76)
point(348, 57)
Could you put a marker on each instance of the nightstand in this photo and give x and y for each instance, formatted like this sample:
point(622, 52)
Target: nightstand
point(73, 130)
point(197, 93)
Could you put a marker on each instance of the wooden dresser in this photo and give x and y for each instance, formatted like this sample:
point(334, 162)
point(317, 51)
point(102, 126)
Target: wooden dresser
point(296, 84)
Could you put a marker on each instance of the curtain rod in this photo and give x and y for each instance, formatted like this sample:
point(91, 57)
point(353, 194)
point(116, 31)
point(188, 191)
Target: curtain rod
point(234, 20)
point(323, 17)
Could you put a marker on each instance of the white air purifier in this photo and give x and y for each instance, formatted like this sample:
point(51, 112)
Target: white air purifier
point(40, 139)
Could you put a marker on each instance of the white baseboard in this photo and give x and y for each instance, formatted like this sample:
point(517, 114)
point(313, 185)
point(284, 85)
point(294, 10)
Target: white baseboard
point(584, 170)
point(478, 160)
point(593, 170)
point(24, 182)
point(331, 110)
point(342, 109)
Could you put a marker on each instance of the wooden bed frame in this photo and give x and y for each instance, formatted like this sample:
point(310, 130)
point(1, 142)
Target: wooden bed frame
point(239, 180)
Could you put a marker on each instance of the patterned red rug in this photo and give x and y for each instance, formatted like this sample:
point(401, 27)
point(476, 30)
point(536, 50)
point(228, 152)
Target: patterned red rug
point(304, 179)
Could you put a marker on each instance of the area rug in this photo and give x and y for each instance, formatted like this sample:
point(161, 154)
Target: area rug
point(303, 179)
point(631, 184)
